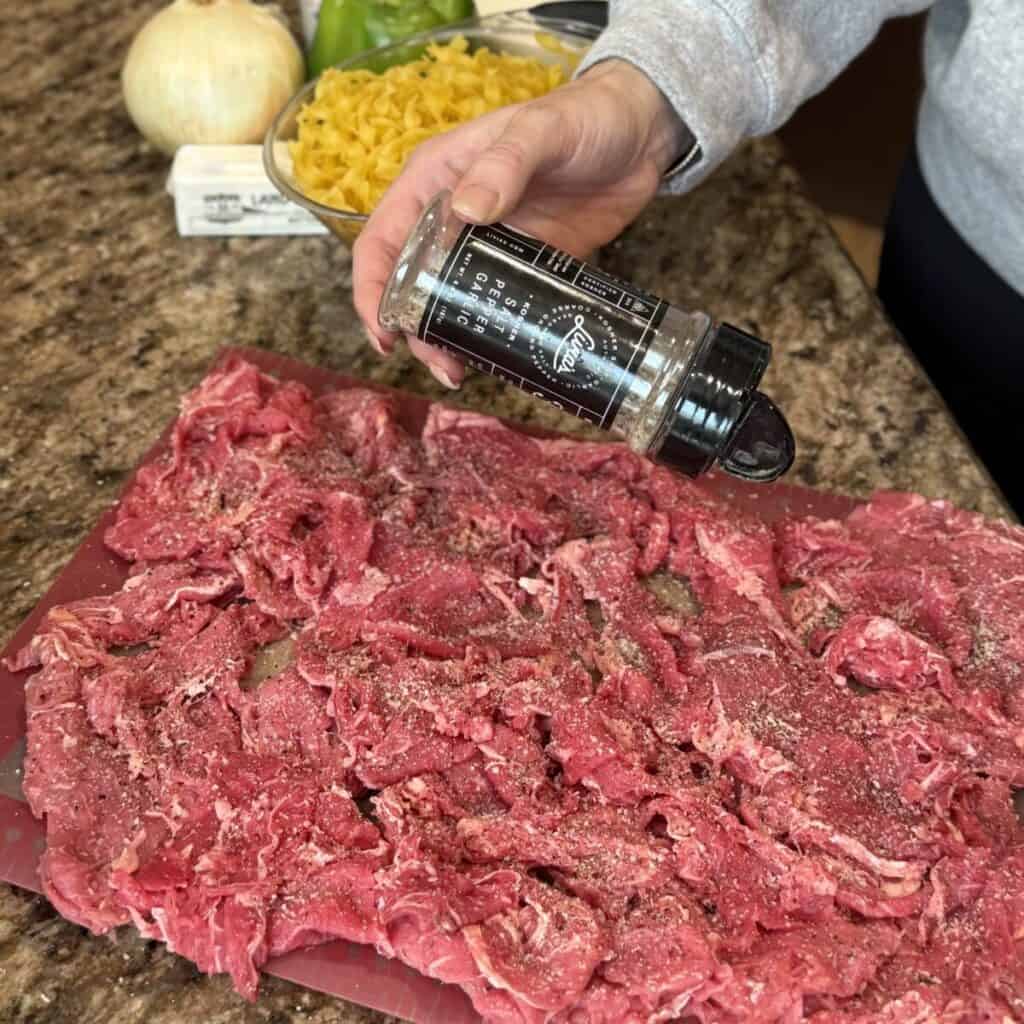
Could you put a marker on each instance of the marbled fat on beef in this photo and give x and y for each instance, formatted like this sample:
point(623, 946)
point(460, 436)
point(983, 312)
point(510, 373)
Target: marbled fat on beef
point(550, 724)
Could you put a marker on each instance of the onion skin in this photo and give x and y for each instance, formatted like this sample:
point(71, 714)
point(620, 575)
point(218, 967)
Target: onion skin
point(212, 72)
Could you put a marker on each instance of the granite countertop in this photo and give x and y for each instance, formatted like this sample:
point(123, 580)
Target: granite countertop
point(110, 316)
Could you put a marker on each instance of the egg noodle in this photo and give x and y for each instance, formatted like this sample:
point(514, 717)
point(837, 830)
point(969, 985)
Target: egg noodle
point(357, 132)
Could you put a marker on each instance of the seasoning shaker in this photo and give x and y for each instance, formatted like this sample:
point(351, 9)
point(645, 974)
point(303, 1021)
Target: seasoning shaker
point(676, 385)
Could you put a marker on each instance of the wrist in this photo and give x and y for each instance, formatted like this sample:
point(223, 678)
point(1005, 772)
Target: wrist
point(664, 138)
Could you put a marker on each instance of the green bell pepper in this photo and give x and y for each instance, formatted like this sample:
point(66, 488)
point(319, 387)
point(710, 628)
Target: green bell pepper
point(346, 28)
point(454, 10)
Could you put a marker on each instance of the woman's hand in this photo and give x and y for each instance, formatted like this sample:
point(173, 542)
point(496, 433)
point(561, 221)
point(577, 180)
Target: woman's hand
point(573, 168)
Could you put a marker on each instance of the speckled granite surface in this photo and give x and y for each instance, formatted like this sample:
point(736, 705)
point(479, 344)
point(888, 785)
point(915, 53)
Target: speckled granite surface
point(109, 316)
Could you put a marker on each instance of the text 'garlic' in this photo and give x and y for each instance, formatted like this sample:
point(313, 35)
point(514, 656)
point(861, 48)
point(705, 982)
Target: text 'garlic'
point(210, 71)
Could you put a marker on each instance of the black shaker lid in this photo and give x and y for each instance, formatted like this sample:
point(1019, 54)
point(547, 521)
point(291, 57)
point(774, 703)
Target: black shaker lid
point(721, 416)
point(761, 447)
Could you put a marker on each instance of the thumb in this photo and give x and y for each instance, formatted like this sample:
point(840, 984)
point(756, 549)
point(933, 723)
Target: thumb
point(535, 139)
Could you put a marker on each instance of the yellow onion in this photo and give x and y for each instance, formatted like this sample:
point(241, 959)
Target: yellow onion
point(210, 71)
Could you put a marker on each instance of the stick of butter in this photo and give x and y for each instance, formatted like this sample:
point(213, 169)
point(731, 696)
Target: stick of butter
point(224, 190)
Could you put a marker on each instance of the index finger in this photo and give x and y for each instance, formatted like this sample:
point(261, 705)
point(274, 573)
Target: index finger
point(377, 249)
point(436, 164)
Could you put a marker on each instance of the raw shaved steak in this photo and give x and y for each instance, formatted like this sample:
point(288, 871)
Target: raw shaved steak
point(547, 722)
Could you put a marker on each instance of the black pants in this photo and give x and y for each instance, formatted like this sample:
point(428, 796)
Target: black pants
point(964, 323)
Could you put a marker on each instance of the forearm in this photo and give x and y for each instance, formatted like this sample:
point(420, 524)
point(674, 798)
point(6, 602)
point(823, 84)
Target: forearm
point(732, 69)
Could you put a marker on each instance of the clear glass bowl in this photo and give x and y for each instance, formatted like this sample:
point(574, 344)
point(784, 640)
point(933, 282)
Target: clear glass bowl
point(514, 33)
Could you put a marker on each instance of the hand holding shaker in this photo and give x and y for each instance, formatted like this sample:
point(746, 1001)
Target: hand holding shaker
point(677, 386)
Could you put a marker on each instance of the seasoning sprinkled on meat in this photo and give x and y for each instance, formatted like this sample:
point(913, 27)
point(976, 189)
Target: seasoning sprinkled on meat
point(540, 720)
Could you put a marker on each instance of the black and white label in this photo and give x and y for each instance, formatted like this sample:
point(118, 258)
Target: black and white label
point(518, 309)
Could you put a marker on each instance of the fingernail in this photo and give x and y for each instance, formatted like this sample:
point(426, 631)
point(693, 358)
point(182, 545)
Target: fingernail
point(375, 343)
point(441, 375)
point(475, 203)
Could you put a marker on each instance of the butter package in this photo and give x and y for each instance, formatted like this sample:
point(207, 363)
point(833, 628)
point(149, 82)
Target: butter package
point(224, 190)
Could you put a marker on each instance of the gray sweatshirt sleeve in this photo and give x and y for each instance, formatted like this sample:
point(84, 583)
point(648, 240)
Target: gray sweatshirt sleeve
point(738, 68)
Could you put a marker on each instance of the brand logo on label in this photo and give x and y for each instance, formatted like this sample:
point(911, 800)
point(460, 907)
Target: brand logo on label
point(576, 341)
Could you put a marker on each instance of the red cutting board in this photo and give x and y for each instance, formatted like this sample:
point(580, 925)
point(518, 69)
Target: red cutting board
point(343, 969)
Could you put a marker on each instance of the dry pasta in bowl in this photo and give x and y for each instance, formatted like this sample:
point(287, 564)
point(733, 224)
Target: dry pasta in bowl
point(357, 130)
